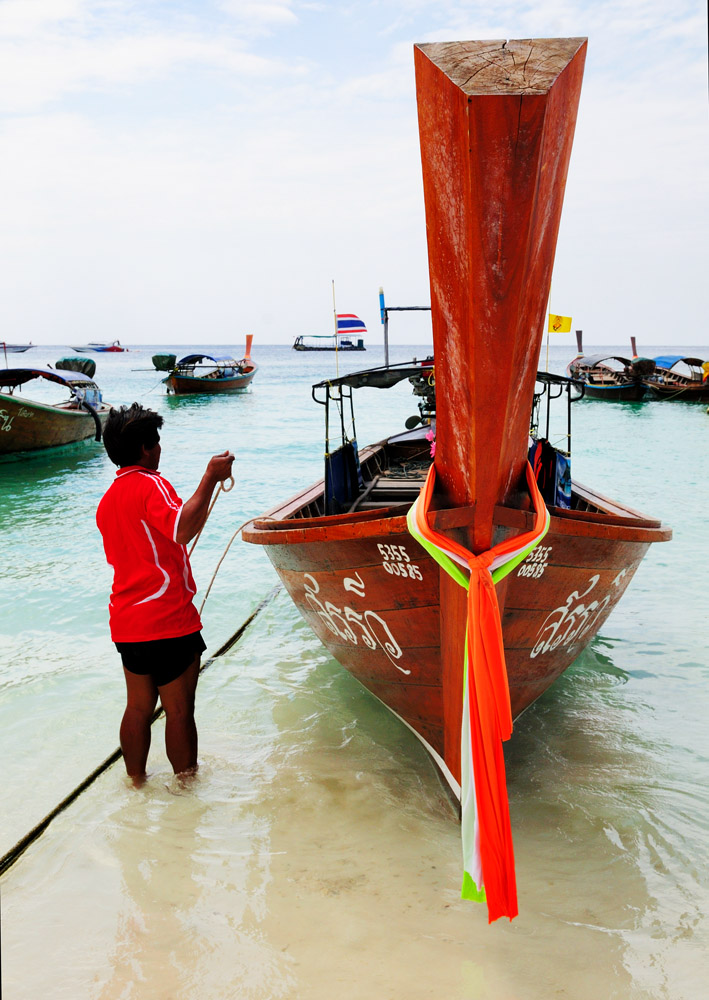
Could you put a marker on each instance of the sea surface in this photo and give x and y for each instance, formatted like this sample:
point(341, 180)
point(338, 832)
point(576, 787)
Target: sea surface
point(316, 854)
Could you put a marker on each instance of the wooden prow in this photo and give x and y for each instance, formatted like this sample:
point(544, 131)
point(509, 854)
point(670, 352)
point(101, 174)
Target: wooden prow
point(579, 342)
point(496, 123)
point(249, 341)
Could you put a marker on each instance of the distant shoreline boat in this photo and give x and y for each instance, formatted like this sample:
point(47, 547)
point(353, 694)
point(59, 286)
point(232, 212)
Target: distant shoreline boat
point(335, 343)
point(15, 348)
point(348, 327)
point(114, 347)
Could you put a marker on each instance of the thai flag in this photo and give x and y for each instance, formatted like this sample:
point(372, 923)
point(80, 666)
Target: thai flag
point(349, 323)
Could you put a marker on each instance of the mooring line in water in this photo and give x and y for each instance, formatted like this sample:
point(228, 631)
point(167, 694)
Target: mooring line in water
point(9, 859)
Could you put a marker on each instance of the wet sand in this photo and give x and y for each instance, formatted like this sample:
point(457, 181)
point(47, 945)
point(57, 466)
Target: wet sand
point(316, 854)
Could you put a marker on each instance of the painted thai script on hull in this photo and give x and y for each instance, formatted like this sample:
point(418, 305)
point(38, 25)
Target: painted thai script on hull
point(369, 628)
point(570, 622)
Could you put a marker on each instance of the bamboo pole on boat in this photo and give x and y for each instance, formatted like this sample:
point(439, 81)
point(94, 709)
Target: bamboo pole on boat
point(496, 124)
point(334, 313)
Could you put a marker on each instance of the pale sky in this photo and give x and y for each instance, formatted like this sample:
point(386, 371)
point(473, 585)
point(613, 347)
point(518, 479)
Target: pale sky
point(191, 171)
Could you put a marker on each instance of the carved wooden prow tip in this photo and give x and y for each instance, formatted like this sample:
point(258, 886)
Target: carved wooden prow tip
point(496, 122)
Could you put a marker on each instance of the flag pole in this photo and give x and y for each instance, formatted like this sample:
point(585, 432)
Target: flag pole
point(334, 312)
point(546, 321)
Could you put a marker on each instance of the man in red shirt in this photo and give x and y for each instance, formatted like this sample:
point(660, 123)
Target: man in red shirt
point(154, 624)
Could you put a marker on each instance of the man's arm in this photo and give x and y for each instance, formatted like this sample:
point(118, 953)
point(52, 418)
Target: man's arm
point(194, 511)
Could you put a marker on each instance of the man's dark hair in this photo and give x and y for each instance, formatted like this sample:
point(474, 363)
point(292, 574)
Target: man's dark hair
point(127, 429)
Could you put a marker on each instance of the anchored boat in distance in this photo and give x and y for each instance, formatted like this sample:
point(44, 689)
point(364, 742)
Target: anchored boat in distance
point(680, 378)
point(32, 424)
point(114, 347)
point(611, 376)
point(347, 337)
point(208, 373)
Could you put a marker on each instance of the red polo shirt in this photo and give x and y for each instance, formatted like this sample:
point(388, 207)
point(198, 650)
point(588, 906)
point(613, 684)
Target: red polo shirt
point(153, 586)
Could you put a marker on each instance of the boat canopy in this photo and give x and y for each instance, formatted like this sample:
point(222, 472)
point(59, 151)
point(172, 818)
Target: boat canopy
point(670, 360)
point(18, 376)
point(379, 378)
point(550, 378)
point(591, 360)
point(195, 359)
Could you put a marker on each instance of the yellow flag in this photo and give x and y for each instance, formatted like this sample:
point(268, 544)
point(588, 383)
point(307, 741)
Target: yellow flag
point(559, 324)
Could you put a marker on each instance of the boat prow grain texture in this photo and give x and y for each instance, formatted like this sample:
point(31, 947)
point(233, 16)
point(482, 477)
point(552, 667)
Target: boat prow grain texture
point(496, 125)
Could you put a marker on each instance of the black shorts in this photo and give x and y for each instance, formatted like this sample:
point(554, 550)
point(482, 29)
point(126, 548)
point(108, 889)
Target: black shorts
point(163, 659)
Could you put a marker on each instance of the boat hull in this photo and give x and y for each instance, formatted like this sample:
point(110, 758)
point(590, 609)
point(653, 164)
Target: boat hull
point(184, 385)
point(27, 425)
point(372, 595)
point(692, 392)
point(301, 347)
point(632, 392)
point(101, 349)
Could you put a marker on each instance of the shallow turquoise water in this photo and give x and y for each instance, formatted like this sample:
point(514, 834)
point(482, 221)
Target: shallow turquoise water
point(313, 806)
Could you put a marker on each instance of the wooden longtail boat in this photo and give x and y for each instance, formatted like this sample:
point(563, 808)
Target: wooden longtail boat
point(496, 123)
point(611, 376)
point(680, 378)
point(30, 425)
point(207, 373)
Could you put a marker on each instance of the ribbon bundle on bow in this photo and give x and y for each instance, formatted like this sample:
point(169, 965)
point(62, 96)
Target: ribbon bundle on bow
point(488, 857)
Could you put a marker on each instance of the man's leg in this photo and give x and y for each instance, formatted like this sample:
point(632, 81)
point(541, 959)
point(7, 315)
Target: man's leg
point(135, 727)
point(177, 699)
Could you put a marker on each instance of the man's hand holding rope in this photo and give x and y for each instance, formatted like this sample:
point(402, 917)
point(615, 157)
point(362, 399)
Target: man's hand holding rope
point(196, 510)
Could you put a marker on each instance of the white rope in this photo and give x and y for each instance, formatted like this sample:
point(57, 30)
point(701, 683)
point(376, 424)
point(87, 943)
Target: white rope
point(214, 574)
point(221, 488)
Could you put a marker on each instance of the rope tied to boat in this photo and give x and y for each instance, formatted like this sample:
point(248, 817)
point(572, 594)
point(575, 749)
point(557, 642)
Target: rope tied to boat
point(221, 488)
point(488, 855)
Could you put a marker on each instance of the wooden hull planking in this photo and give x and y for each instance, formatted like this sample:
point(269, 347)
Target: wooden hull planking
point(373, 597)
point(27, 425)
